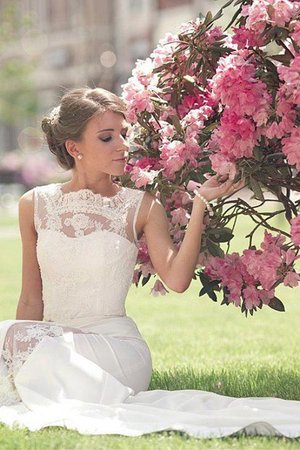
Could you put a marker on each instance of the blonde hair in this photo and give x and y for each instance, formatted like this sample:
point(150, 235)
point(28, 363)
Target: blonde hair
point(70, 118)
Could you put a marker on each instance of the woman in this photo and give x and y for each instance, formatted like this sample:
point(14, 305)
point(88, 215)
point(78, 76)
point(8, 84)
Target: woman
point(73, 357)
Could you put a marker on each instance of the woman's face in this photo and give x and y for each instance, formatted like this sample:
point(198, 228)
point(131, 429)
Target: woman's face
point(104, 145)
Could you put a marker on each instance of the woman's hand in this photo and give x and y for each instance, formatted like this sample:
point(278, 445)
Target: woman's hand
point(216, 187)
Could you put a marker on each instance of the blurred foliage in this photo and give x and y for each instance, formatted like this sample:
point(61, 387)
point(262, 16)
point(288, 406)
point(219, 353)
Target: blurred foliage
point(18, 97)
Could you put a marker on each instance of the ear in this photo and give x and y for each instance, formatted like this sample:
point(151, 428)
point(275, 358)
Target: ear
point(71, 147)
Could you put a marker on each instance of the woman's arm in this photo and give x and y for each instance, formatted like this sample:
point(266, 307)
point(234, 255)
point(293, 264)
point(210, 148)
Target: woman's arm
point(30, 304)
point(176, 267)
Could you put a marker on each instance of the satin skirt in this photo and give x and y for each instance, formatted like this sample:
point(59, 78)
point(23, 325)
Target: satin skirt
point(94, 379)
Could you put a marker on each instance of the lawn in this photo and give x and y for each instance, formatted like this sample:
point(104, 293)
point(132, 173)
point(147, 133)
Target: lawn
point(195, 343)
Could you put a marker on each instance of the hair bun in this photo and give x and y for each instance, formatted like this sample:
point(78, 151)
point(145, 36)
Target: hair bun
point(46, 125)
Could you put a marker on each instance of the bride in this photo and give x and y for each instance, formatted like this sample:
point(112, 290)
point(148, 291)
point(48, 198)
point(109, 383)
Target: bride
point(73, 357)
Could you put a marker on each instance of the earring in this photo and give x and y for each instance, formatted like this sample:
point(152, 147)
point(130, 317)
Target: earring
point(79, 156)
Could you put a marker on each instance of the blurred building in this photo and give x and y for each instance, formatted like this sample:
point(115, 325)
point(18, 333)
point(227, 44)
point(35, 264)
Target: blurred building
point(139, 24)
point(74, 43)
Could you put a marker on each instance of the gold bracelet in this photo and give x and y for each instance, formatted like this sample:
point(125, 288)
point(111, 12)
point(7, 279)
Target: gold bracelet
point(210, 210)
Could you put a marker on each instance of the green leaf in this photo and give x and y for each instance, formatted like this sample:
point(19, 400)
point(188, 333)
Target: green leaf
point(212, 295)
point(284, 59)
point(276, 304)
point(255, 187)
point(213, 248)
point(176, 122)
point(204, 278)
point(208, 18)
point(209, 287)
point(220, 234)
point(234, 17)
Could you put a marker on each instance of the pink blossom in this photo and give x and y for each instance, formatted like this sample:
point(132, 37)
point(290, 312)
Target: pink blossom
point(158, 289)
point(295, 230)
point(291, 279)
point(172, 157)
point(291, 77)
point(236, 86)
point(214, 34)
point(231, 272)
point(179, 215)
point(281, 11)
point(266, 295)
point(235, 137)
point(244, 37)
point(166, 131)
point(221, 164)
point(148, 162)
point(291, 148)
point(135, 277)
point(296, 31)
point(147, 269)
point(251, 296)
point(274, 12)
point(257, 15)
point(290, 256)
point(142, 177)
point(143, 72)
point(264, 264)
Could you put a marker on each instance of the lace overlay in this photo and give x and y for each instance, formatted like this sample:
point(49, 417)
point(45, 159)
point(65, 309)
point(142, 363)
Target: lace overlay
point(20, 341)
point(86, 249)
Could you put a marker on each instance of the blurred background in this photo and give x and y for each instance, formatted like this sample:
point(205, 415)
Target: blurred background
point(48, 46)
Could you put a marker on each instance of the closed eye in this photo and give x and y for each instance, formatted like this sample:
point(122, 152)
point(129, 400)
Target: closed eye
point(107, 139)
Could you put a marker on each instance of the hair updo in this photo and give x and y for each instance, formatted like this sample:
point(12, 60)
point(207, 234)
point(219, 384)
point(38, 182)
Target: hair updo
point(69, 119)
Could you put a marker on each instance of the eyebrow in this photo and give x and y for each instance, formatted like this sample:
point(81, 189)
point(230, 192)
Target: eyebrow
point(112, 129)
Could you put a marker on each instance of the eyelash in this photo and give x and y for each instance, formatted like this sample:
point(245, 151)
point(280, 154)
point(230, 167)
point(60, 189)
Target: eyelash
point(109, 138)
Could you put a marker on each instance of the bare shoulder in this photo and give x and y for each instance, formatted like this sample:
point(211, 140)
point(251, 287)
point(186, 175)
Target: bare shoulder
point(26, 208)
point(151, 205)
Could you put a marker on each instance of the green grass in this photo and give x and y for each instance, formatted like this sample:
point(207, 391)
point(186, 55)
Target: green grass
point(195, 344)
point(8, 220)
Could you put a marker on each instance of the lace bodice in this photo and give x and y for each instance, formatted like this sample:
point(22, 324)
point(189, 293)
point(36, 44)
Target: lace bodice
point(86, 250)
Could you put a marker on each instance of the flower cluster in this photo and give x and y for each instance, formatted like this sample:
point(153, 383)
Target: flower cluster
point(249, 280)
point(208, 102)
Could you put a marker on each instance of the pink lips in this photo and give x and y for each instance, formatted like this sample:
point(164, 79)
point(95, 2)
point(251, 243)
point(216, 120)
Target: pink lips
point(121, 159)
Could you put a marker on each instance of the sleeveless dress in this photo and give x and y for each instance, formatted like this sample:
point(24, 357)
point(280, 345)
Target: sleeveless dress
point(86, 366)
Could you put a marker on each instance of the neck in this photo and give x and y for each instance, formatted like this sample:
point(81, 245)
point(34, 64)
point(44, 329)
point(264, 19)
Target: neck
point(99, 185)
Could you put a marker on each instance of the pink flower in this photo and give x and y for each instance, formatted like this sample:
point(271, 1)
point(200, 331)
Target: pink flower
point(244, 37)
point(135, 277)
point(147, 161)
point(147, 269)
point(214, 34)
point(295, 230)
point(266, 295)
point(296, 31)
point(291, 279)
point(251, 296)
point(281, 11)
point(236, 86)
point(290, 256)
point(172, 157)
point(235, 137)
point(257, 15)
point(158, 289)
point(142, 177)
point(180, 216)
point(222, 165)
point(291, 77)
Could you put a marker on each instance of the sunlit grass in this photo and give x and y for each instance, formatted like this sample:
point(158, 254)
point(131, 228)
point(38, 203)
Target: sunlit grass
point(195, 344)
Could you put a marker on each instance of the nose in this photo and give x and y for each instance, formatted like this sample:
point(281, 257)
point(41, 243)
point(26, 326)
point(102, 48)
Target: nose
point(124, 145)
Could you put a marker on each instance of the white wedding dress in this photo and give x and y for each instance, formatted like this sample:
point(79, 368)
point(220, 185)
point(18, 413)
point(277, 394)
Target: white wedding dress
point(86, 366)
